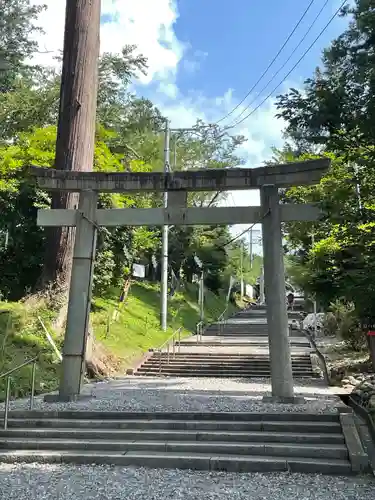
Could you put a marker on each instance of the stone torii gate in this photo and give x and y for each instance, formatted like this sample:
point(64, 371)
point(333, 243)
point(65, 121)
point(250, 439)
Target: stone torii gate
point(87, 219)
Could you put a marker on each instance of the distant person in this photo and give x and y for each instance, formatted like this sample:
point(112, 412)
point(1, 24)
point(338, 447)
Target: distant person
point(290, 299)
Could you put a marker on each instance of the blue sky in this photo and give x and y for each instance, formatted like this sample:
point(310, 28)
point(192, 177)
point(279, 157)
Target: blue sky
point(240, 37)
point(205, 55)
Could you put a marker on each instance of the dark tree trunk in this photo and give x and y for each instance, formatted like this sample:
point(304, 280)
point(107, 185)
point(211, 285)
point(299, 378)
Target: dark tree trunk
point(76, 125)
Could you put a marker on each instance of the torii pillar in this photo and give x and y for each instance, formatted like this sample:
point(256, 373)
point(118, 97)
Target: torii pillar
point(274, 283)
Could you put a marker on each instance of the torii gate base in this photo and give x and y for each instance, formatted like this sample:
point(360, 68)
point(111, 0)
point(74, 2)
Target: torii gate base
point(87, 218)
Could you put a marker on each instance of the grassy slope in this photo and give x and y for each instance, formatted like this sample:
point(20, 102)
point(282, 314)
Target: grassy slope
point(135, 330)
point(137, 327)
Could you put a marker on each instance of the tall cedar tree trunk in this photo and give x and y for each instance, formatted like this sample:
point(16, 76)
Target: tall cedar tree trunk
point(76, 126)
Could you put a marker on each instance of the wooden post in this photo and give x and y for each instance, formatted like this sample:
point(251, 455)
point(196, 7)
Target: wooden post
point(76, 124)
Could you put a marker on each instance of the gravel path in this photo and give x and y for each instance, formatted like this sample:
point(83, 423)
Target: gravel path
point(197, 394)
point(44, 482)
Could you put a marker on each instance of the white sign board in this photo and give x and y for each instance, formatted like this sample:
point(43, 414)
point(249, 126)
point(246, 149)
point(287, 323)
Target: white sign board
point(139, 270)
point(249, 291)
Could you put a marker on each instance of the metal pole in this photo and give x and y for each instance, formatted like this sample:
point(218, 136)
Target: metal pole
point(314, 303)
point(251, 247)
point(261, 286)
point(241, 270)
point(6, 410)
point(202, 297)
point(164, 245)
point(32, 386)
point(175, 154)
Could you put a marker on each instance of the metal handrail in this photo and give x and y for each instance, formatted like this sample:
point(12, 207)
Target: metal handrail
point(199, 328)
point(199, 331)
point(7, 393)
point(221, 321)
point(172, 339)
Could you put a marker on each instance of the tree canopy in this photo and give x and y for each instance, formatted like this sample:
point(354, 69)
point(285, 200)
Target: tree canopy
point(334, 115)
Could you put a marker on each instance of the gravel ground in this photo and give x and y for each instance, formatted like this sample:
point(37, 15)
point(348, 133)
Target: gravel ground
point(57, 482)
point(173, 394)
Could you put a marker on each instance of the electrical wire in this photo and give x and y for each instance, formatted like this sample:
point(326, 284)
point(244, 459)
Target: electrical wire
point(245, 231)
point(290, 71)
point(285, 63)
point(270, 64)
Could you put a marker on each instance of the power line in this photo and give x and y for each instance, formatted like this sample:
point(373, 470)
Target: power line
point(270, 64)
point(245, 231)
point(286, 62)
point(292, 69)
point(239, 235)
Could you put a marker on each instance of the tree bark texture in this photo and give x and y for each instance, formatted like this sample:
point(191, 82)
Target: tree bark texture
point(76, 125)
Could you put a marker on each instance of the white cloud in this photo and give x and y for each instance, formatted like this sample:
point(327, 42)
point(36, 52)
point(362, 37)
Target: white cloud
point(146, 23)
point(168, 89)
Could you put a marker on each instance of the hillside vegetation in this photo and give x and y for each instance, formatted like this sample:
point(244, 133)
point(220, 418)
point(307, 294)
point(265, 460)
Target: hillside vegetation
point(120, 341)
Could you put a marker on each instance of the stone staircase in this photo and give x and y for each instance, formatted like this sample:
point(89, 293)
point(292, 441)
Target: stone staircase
point(219, 365)
point(238, 442)
point(237, 348)
point(237, 329)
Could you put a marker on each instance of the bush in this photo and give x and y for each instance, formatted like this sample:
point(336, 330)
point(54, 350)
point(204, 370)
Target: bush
point(330, 325)
point(348, 325)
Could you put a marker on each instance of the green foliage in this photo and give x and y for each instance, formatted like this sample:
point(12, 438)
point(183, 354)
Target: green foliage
point(22, 338)
point(16, 25)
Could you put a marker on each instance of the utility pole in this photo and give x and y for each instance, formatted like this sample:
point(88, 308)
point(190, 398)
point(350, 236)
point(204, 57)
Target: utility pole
point(314, 303)
point(202, 296)
point(241, 264)
point(201, 287)
point(261, 286)
point(164, 244)
point(251, 247)
point(165, 229)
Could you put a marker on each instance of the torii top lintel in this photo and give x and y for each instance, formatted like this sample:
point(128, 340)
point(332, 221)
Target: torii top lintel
point(281, 175)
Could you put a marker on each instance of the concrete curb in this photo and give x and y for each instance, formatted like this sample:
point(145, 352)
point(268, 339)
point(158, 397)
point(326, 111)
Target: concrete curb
point(318, 372)
point(357, 455)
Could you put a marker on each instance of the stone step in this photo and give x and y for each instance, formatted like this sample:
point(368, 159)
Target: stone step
point(220, 364)
point(242, 442)
point(237, 332)
point(234, 355)
point(328, 419)
point(229, 463)
point(331, 451)
point(202, 357)
point(215, 374)
point(234, 343)
point(180, 430)
point(198, 357)
point(240, 328)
